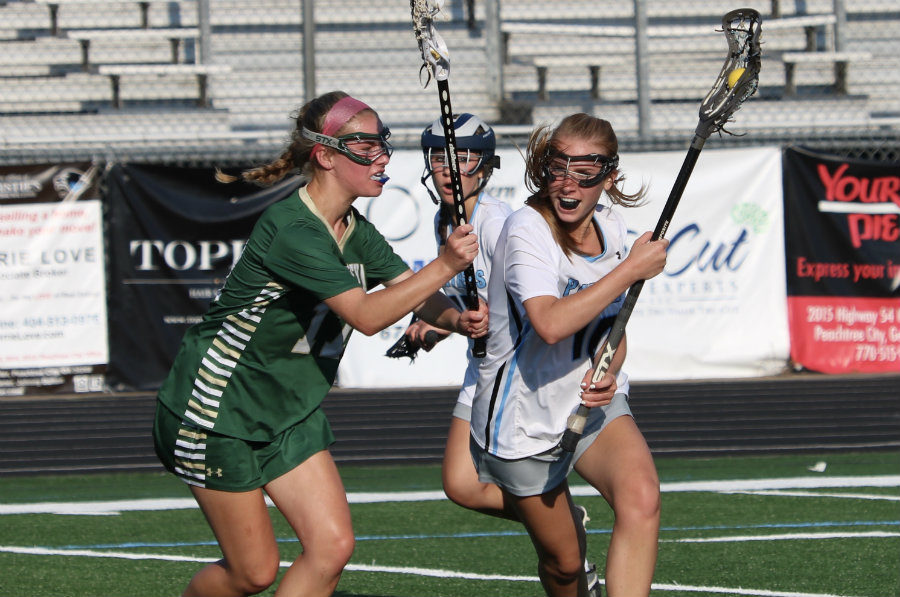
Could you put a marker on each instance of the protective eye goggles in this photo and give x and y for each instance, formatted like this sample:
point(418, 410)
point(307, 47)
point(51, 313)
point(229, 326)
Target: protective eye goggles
point(469, 161)
point(362, 148)
point(586, 170)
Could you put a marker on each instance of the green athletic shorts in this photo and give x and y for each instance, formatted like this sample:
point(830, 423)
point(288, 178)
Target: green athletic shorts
point(208, 459)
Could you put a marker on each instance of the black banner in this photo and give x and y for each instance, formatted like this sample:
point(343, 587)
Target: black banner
point(842, 225)
point(173, 236)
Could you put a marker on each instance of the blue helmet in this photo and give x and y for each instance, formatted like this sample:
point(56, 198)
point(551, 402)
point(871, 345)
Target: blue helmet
point(472, 134)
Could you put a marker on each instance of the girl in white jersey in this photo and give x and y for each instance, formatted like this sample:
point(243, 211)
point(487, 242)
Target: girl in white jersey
point(560, 271)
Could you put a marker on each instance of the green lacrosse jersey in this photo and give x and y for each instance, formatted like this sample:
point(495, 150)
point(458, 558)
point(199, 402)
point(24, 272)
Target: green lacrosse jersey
point(267, 351)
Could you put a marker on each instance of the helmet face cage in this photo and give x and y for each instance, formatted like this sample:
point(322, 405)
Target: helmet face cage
point(377, 143)
point(470, 160)
point(558, 166)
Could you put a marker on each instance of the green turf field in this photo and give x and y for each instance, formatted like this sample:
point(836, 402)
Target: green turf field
point(764, 526)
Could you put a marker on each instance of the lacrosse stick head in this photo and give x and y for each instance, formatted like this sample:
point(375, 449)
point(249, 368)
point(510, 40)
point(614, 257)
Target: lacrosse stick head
point(739, 76)
point(435, 56)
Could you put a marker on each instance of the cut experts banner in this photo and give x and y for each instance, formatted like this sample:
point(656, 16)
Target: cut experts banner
point(718, 309)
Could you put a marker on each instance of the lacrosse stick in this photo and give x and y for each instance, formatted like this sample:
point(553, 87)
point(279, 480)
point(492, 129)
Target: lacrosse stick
point(404, 347)
point(737, 81)
point(436, 60)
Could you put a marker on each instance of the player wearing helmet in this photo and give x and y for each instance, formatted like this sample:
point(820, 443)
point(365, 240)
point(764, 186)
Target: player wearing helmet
point(476, 146)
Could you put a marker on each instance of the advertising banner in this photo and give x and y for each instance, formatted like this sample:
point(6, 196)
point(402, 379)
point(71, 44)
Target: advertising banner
point(842, 225)
point(174, 234)
point(48, 182)
point(717, 311)
point(52, 281)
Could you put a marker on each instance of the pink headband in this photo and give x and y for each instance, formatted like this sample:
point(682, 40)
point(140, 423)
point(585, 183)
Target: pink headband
point(345, 109)
point(339, 114)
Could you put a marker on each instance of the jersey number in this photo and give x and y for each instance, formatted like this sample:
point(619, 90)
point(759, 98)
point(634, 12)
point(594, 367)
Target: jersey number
point(584, 344)
point(330, 348)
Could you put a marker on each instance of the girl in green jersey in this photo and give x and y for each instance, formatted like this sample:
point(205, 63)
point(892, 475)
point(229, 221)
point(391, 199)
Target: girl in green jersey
point(239, 413)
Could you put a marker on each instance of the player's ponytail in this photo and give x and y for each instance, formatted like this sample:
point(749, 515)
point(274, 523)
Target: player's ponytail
point(296, 157)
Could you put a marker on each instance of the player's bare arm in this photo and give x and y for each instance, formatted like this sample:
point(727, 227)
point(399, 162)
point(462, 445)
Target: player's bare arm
point(555, 319)
point(442, 313)
point(371, 312)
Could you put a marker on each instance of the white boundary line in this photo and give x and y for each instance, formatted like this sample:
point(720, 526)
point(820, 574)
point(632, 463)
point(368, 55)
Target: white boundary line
point(431, 572)
point(786, 537)
point(116, 506)
point(816, 494)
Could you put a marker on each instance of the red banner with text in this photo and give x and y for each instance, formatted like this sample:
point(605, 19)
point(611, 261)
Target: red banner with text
point(842, 225)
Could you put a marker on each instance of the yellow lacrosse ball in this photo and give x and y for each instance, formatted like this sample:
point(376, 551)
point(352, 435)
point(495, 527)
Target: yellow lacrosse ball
point(734, 75)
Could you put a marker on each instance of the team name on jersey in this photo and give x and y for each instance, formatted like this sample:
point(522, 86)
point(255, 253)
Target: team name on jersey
point(459, 280)
point(573, 286)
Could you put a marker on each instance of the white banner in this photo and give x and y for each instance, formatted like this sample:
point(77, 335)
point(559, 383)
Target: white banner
point(53, 290)
point(720, 308)
point(718, 311)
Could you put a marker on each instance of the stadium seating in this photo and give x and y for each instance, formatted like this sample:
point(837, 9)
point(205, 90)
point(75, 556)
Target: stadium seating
point(58, 59)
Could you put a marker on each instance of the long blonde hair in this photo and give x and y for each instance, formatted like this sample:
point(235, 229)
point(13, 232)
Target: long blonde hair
point(539, 152)
point(296, 157)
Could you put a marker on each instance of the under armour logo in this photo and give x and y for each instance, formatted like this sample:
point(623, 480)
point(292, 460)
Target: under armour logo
point(213, 472)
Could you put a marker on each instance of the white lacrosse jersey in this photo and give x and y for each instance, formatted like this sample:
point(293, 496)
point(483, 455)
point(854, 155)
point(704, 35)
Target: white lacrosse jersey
point(487, 220)
point(526, 388)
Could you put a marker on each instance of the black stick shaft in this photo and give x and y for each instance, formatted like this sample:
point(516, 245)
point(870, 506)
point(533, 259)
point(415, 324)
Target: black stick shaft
point(479, 347)
point(575, 424)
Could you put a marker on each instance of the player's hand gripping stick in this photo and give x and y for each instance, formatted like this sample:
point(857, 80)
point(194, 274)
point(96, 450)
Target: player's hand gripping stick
point(436, 61)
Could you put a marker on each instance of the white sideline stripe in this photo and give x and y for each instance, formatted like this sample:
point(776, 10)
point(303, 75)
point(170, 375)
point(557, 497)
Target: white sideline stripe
point(109, 507)
point(785, 537)
point(780, 483)
point(848, 496)
point(122, 555)
point(433, 572)
point(438, 573)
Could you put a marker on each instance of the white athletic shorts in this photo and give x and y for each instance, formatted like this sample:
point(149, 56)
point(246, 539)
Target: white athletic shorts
point(534, 475)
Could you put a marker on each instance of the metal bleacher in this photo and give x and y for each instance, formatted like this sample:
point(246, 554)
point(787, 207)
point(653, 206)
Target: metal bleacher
point(683, 62)
point(53, 106)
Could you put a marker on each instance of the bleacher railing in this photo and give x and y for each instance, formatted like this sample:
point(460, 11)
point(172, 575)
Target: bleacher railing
point(218, 79)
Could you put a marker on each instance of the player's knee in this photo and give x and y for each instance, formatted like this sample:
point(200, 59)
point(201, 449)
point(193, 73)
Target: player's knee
point(641, 503)
point(343, 549)
point(564, 565)
point(338, 551)
point(254, 579)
